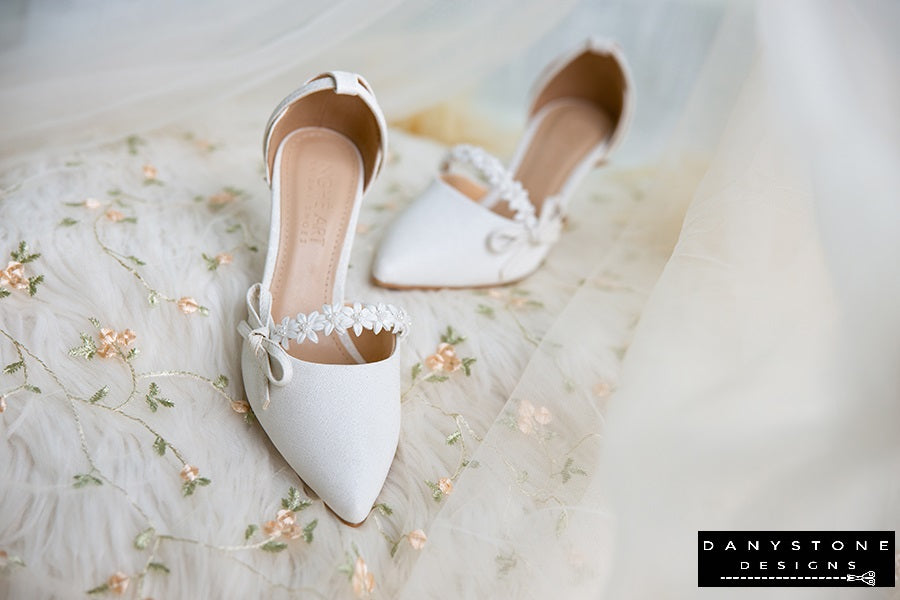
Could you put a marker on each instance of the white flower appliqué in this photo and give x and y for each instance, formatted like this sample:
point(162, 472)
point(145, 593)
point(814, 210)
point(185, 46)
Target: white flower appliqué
point(356, 317)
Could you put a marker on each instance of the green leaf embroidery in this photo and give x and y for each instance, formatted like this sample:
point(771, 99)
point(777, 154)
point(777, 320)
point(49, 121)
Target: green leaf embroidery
point(189, 486)
point(453, 437)
point(68, 221)
point(99, 395)
point(467, 365)
point(136, 260)
point(4, 292)
point(436, 492)
point(416, 369)
point(274, 546)
point(159, 445)
point(143, 539)
point(308, 531)
point(212, 263)
point(568, 470)
point(561, 523)
point(484, 309)
point(248, 533)
point(156, 566)
point(13, 367)
point(450, 336)
point(87, 349)
point(437, 378)
point(384, 509)
point(103, 587)
point(32, 388)
point(133, 141)
point(294, 501)
point(83, 479)
point(33, 282)
point(506, 562)
point(22, 254)
point(221, 382)
point(154, 399)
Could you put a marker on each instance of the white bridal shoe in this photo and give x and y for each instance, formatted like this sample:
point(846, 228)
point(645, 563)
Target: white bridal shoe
point(320, 373)
point(500, 225)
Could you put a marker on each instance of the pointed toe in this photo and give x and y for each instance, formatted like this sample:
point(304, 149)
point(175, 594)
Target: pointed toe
point(337, 426)
point(442, 240)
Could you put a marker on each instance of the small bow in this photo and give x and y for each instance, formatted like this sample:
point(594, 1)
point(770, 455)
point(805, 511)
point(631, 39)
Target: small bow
point(256, 331)
point(868, 578)
point(545, 230)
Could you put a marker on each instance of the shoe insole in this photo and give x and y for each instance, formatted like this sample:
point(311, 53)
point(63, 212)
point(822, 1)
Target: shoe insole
point(567, 131)
point(320, 174)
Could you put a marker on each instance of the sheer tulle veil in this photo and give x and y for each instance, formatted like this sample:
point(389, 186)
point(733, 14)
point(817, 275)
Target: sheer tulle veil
point(755, 387)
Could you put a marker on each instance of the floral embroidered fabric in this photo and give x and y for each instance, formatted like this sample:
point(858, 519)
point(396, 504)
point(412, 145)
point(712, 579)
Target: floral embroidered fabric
point(340, 318)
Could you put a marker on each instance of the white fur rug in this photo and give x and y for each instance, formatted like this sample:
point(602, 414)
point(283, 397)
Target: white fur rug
point(162, 235)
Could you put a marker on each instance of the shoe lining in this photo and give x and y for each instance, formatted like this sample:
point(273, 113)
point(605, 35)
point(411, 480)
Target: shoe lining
point(320, 174)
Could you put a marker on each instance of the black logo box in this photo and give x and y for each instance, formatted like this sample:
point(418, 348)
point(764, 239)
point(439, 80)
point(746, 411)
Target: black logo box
point(795, 558)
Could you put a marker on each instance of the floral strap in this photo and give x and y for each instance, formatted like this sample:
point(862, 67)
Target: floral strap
point(489, 168)
point(269, 341)
point(341, 319)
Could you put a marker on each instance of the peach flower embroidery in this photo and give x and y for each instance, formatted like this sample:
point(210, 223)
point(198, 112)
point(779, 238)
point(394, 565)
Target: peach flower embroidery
point(2, 404)
point(14, 275)
point(444, 359)
point(114, 215)
point(118, 582)
point(113, 342)
point(224, 258)
point(445, 485)
point(150, 172)
point(417, 539)
point(363, 581)
point(240, 406)
point(543, 415)
point(189, 472)
point(285, 524)
point(601, 389)
point(222, 198)
point(188, 305)
point(528, 416)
